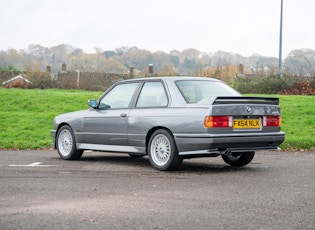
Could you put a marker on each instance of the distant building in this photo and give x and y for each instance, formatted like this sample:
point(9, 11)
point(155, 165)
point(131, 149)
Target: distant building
point(17, 82)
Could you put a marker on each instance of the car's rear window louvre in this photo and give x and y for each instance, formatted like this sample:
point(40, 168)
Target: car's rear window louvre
point(246, 100)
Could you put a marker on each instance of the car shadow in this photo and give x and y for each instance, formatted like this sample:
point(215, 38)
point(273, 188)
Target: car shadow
point(117, 159)
point(213, 167)
point(203, 165)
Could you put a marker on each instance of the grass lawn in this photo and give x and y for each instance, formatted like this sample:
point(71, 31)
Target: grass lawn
point(298, 113)
point(26, 116)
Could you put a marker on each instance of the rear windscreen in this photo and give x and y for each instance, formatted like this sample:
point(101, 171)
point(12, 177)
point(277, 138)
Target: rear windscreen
point(195, 90)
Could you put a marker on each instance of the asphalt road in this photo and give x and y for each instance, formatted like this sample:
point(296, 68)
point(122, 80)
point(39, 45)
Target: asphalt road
point(38, 190)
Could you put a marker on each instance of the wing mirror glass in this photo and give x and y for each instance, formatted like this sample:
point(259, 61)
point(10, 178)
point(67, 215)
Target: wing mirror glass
point(92, 103)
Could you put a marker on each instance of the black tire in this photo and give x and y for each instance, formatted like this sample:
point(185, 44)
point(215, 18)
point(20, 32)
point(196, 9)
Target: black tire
point(238, 159)
point(162, 151)
point(66, 144)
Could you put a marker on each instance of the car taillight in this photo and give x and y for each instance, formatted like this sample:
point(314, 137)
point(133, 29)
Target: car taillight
point(218, 121)
point(271, 121)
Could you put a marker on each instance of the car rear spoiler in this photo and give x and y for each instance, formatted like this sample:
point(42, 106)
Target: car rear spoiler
point(247, 100)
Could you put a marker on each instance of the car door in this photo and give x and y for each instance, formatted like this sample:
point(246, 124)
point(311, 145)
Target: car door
point(150, 111)
point(107, 124)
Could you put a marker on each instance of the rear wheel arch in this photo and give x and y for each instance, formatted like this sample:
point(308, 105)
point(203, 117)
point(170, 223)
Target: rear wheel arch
point(162, 150)
point(150, 133)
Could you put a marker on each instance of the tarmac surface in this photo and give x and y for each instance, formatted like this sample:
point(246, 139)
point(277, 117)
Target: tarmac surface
point(38, 190)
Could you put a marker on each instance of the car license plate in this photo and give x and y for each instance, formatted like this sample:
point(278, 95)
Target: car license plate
point(246, 123)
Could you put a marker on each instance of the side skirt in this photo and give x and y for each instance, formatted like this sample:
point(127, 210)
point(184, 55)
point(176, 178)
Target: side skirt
point(112, 148)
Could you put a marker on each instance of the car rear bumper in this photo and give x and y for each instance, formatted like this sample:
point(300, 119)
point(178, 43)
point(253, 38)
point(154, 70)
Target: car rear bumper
point(217, 144)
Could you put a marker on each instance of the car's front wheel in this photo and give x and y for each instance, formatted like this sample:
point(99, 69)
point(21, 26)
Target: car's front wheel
point(66, 144)
point(238, 159)
point(162, 151)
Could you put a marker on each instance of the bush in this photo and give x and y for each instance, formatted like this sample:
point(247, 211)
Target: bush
point(42, 82)
point(261, 85)
point(274, 84)
point(300, 88)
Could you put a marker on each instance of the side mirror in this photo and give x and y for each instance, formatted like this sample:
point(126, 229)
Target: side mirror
point(92, 103)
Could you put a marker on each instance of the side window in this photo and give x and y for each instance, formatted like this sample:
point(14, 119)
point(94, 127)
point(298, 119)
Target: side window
point(189, 93)
point(152, 95)
point(119, 97)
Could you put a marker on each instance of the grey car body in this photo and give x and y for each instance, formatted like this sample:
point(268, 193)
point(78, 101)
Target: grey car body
point(170, 119)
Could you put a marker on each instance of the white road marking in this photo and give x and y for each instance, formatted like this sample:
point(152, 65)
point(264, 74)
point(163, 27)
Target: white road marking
point(35, 164)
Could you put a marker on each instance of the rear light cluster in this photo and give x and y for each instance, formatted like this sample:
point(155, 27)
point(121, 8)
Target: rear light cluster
point(218, 121)
point(227, 121)
point(271, 121)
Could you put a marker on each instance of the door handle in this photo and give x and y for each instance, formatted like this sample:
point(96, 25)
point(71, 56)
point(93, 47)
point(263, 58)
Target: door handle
point(123, 115)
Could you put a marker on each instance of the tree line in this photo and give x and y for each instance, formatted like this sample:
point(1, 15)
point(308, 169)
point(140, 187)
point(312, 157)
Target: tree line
point(191, 61)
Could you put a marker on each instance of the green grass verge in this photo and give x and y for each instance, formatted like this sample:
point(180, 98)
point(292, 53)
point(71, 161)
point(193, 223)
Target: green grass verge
point(26, 116)
point(298, 121)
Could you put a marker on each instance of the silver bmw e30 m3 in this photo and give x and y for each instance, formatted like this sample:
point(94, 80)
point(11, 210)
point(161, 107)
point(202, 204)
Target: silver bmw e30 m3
point(171, 119)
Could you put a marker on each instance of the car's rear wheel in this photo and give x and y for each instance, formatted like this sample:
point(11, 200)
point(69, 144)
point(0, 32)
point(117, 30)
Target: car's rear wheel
point(238, 159)
point(162, 151)
point(66, 144)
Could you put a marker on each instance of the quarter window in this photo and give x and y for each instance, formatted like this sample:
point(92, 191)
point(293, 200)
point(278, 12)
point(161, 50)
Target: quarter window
point(152, 95)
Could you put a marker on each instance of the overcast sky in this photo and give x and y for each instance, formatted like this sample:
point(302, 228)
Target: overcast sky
point(238, 26)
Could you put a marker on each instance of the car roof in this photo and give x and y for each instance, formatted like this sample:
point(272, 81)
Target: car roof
point(172, 78)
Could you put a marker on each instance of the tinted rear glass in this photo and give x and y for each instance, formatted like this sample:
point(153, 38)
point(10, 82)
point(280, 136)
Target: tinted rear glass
point(195, 91)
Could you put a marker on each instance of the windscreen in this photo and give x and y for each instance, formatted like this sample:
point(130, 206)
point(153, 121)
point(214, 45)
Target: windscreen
point(196, 90)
